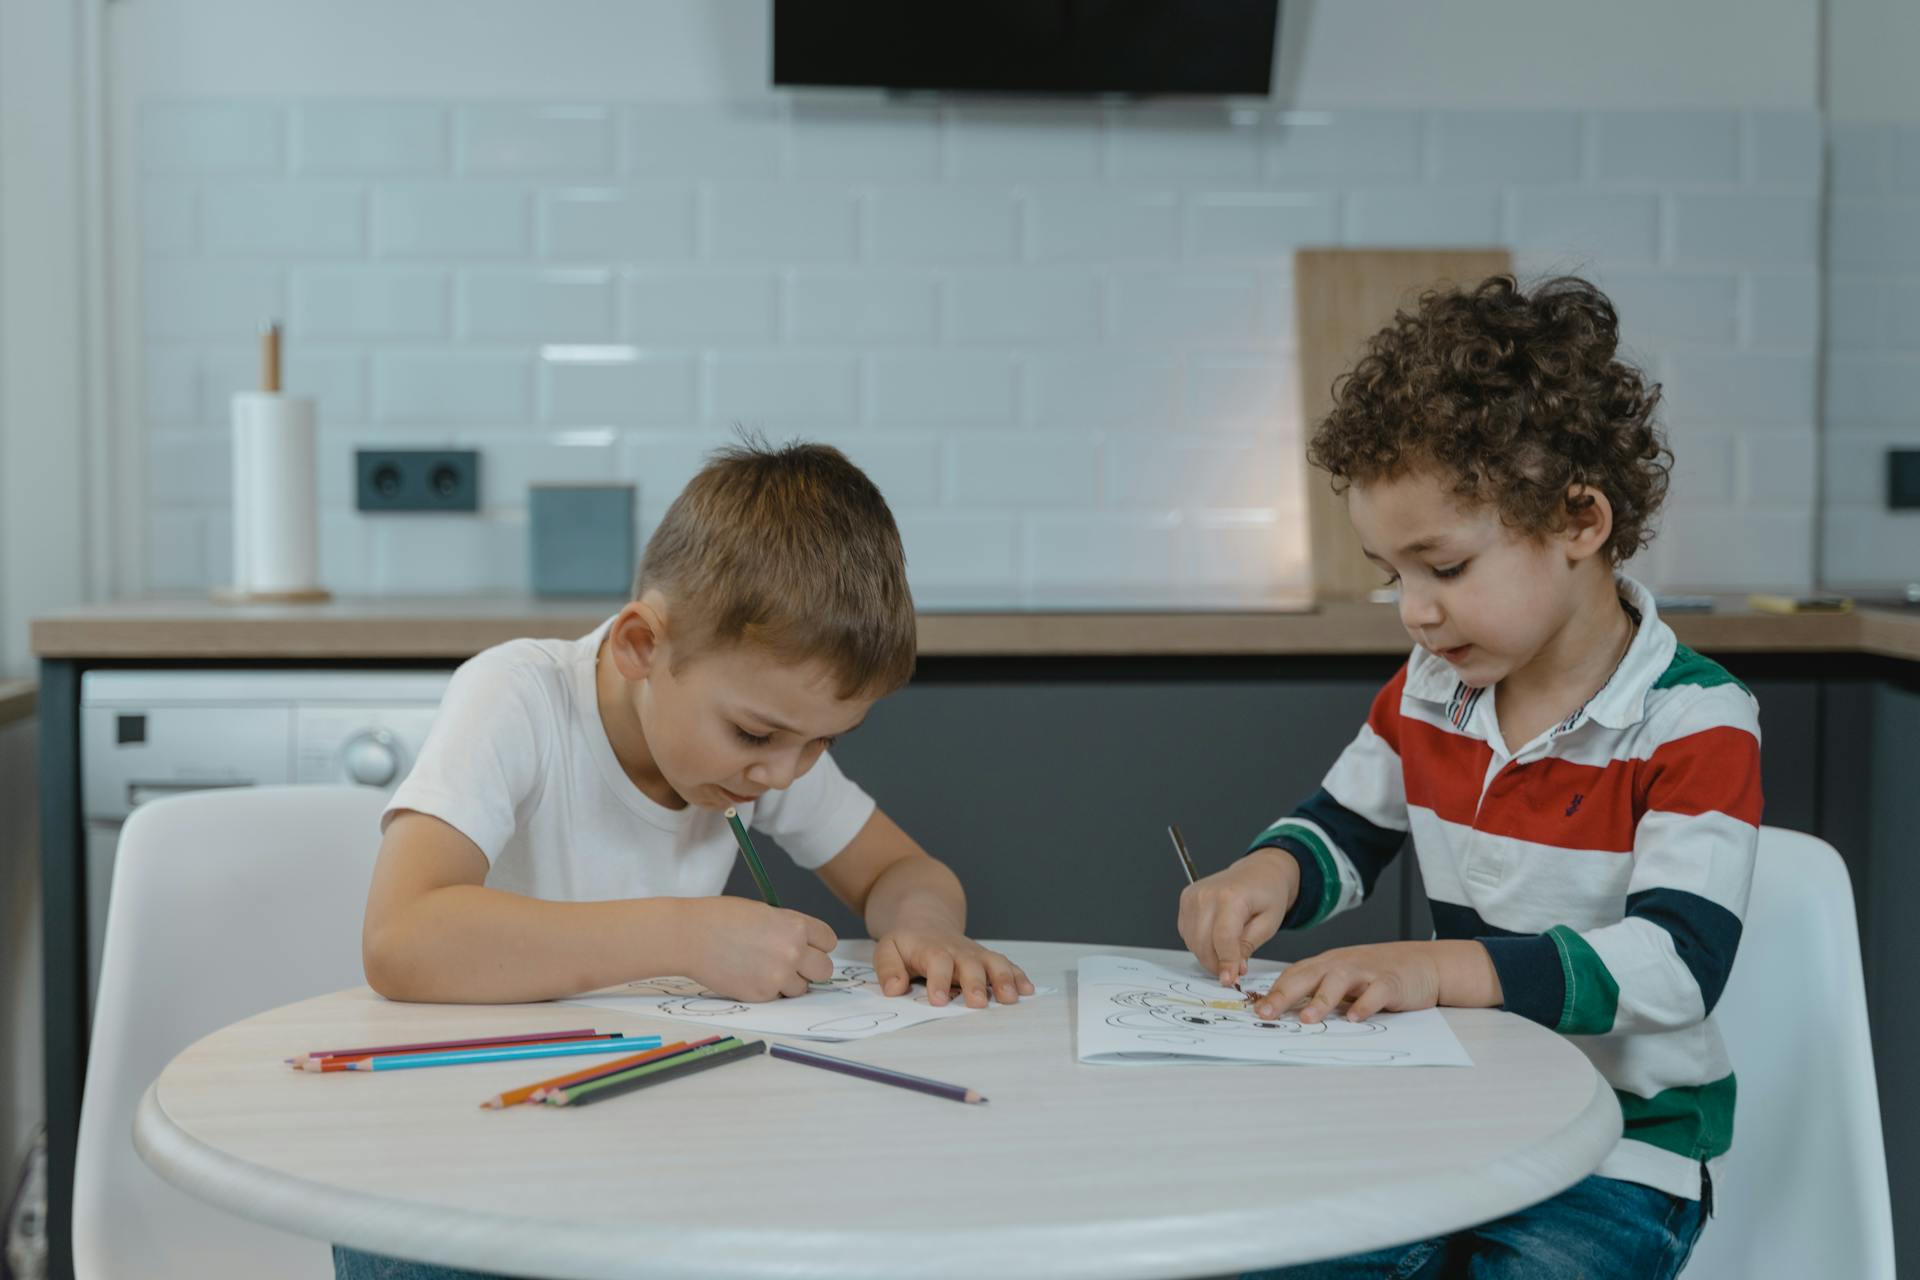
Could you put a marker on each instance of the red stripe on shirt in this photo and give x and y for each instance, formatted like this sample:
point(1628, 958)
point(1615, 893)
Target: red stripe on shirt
point(1442, 769)
point(1714, 771)
point(1566, 805)
point(1384, 717)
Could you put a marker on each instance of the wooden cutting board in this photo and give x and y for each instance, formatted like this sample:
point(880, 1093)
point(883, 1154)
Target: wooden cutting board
point(1341, 298)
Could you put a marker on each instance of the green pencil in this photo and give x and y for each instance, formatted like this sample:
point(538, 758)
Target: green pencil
point(771, 898)
point(714, 1055)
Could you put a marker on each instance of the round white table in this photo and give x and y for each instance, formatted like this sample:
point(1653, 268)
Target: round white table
point(770, 1169)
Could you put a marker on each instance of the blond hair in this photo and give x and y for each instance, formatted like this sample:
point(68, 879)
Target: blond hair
point(791, 550)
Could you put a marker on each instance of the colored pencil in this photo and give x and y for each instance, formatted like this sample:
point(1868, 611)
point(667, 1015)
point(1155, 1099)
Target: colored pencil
point(686, 1064)
point(341, 1063)
point(533, 1092)
point(610, 1069)
point(579, 1033)
point(753, 859)
point(505, 1053)
point(1186, 865)
point(880, 1075)
point(1180, 847)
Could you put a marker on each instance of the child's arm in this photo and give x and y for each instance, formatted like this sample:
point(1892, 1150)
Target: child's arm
point(1320, 860)
point(1660, 967)
point(914, 906)
point(435, 932)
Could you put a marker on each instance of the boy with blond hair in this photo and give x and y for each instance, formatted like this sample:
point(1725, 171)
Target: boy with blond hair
point(1582, 791)
point(564, 827)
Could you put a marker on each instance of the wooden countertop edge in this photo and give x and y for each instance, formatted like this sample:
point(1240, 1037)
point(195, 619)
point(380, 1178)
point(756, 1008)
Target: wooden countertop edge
point(1332, 630)
point(18, 699)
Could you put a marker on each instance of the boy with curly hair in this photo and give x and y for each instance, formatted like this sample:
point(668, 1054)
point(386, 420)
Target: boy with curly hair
point(1582, 791)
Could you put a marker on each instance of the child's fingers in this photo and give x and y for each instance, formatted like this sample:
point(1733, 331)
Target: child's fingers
point(1372, 1000)
point(939, 971)
point(891, 969)
point(1333, 989)
point(970, 975)
point(1009, 984)
point(1196, 928)
point(1289, 989)
point(819, 936)
point(1229, 940)
point(816, 966)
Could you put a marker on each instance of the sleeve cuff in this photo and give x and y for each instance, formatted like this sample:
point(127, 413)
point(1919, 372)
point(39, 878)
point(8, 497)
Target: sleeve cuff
point(1309, 902)
point(1532, 982)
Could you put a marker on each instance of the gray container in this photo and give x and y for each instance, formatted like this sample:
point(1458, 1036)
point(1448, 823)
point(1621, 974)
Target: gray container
point(582, 539)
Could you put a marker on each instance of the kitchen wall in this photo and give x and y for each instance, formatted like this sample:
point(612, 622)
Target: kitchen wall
point(1872, 377)
point(1060, 336)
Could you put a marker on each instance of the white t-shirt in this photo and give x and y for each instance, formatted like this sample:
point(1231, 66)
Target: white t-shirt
point(519, 763)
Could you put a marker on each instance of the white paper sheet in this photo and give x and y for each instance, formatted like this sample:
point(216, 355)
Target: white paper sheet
point(849, 1007)
point(1134, 1012)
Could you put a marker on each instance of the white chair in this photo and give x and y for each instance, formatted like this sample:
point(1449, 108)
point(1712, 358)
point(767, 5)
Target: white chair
point(225, 904)
point(1806, 1181)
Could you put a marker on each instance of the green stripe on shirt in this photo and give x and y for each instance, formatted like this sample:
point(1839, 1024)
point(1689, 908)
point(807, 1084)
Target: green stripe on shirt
point(1593, 997)
point(1695, 1120)
point(1689, 667)
point(1322, 856)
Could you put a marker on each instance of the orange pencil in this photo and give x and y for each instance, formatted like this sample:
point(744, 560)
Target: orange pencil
point(532, 1092)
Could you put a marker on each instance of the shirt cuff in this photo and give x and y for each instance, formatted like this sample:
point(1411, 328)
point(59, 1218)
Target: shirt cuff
point(1532, 982)
point(1307, 903)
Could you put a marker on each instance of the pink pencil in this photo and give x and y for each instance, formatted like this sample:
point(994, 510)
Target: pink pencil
point(477, 1043)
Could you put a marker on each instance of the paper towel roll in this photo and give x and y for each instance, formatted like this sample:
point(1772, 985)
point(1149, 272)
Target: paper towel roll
point(275, 533)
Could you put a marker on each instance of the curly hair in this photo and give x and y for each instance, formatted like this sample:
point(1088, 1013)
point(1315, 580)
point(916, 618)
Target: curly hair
point(1516, 398)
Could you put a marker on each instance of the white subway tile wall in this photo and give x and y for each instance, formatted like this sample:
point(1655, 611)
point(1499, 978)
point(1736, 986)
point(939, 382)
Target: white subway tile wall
point(1872, 386)
point(1061, 338)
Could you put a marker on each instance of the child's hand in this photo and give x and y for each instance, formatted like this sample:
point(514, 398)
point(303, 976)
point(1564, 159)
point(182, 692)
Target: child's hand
point(946, 959)
point(1225, 917)
point(750, 951)
point(1394, 976)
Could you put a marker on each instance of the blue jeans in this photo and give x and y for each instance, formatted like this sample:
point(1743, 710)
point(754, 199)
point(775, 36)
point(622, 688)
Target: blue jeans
point(351, 1264)
point(1598, 1229)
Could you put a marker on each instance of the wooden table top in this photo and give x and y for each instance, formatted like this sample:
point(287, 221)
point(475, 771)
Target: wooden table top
point(768, 1169)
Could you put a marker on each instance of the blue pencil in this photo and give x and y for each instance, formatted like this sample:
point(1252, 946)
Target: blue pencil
point(401, 1061)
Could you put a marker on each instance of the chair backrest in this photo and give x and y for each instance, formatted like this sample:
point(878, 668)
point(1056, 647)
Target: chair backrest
point(1806, 1181)
point(225, 903)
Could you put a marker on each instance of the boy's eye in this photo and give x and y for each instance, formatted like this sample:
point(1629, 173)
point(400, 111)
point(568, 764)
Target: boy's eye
point(753, 739)
point(1452, 571)
point(1393, 580)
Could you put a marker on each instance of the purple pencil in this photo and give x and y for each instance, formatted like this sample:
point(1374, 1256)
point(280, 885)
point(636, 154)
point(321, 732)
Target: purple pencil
point(938, 1088)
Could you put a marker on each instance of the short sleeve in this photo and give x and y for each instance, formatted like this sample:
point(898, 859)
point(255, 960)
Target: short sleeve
point(480, 766)
point(818, 816)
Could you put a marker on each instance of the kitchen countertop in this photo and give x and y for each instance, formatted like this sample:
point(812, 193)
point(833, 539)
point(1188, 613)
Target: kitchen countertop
point(456, 627)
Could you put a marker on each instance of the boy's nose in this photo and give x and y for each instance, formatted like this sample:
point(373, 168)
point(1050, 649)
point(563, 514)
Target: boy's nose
point(1417, 610)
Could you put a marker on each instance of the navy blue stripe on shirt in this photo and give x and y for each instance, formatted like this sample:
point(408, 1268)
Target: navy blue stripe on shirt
point(1451, 920)
point(1532, 982)
point(1705, 934)
point(1368, 847)
point(1313, 885)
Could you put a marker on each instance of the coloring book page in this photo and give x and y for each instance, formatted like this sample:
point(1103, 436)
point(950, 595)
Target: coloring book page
point(1135, 1012)
point(849, 1006)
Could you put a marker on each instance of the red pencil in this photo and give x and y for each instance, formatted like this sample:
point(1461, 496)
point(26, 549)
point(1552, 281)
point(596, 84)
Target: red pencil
point(313, 1062)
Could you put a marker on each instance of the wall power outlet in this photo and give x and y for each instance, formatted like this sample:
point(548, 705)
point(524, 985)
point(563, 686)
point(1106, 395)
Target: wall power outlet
point(416, 479)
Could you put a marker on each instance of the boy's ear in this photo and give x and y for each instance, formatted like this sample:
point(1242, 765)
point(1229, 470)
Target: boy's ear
point(637, 637)
point(1589, 522)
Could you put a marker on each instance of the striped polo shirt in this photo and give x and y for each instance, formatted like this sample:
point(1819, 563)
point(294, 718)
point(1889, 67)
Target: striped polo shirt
point(1604, 865)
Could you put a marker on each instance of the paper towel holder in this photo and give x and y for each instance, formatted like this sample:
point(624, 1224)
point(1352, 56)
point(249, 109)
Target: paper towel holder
point(276, 524)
